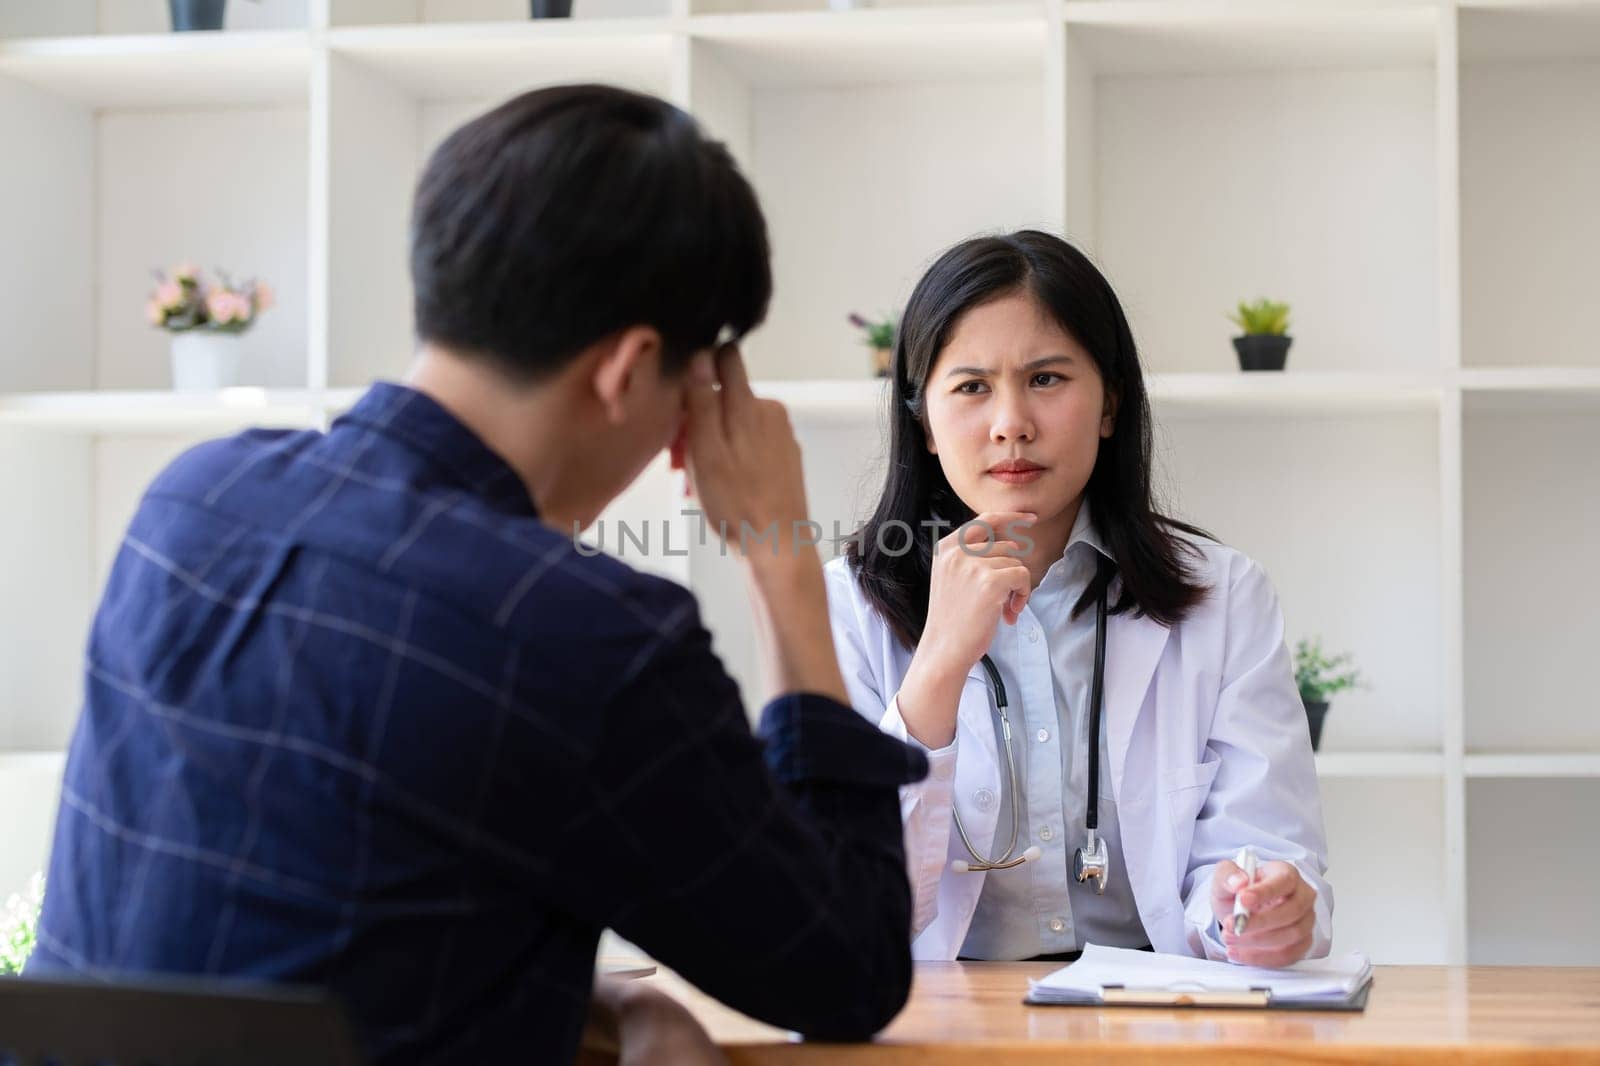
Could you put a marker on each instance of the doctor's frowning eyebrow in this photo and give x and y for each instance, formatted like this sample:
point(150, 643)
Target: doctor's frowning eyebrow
point(1026, 368)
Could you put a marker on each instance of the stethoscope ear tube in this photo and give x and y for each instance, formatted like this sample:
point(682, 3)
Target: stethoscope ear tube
point(961, 866)
point(1096, 701)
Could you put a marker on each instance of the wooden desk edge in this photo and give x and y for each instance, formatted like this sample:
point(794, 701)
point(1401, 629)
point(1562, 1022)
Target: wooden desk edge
point(973, 1012)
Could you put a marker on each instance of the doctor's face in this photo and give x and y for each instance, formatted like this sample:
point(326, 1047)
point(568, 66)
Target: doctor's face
point(1016, 410)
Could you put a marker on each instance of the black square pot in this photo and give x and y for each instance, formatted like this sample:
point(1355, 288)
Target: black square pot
point(1260, 351)
point(551, 9)
point(1316, 712)
point(190, 15)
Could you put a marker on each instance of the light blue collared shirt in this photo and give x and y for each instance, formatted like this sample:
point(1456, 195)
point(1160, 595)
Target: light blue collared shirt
point(1047, 662)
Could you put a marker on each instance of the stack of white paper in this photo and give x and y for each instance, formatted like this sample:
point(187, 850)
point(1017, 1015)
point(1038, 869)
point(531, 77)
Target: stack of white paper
point(1313, 979)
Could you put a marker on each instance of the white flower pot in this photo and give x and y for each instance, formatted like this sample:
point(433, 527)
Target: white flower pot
point(204, 360)
point(846, 5)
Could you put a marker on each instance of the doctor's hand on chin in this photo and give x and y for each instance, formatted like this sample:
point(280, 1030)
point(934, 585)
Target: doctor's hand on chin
point(979, 577)
point(1282, 913)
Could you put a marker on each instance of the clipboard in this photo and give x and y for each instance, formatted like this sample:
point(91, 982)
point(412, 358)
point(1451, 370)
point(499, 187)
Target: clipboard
point(1242, 999)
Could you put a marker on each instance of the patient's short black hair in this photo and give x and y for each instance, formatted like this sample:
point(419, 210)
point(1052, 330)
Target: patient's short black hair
point(567, 214)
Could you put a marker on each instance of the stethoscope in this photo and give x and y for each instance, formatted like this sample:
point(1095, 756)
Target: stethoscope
point(1091, 860)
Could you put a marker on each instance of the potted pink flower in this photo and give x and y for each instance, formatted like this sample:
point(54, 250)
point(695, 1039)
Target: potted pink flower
point(206, 319)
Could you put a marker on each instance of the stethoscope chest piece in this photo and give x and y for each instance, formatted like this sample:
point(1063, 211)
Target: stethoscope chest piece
point(1092, 861)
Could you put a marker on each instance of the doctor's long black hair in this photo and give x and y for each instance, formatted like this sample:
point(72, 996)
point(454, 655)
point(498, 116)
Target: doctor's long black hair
point(1149, 552)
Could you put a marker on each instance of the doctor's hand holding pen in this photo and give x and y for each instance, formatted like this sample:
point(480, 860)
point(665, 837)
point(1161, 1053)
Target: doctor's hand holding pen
point(1275, 911)
point(979, 576)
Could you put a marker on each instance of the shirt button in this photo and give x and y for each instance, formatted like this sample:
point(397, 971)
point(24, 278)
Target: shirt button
point(1044, 735)
point(1046, 833)
point(1056, 925)
point(1033, 636)
point(984, 798)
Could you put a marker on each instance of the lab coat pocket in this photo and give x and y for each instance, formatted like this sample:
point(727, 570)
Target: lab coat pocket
point(1186, 788)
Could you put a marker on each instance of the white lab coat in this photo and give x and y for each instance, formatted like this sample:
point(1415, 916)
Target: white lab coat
point(1208, 749)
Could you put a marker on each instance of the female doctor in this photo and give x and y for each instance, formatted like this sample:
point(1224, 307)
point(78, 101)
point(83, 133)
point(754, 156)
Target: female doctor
point(968, 617)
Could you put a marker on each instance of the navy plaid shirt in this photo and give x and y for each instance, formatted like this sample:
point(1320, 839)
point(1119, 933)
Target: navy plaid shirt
point(355, 717)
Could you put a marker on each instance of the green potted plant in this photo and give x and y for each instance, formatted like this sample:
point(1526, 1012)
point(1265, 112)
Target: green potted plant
point(19, 924)
point(1265, 343)
point(1319, 676)
point(879, 336)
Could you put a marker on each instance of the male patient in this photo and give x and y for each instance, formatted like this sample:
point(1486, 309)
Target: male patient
point(359, 713)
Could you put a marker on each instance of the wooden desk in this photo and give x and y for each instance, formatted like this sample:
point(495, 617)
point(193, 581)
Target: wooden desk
point(972, 1013)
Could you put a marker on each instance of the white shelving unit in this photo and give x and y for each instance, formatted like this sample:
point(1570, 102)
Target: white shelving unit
point(1377, 764)
point(1535, 764)
point(1529, 161)
point(1415, 176)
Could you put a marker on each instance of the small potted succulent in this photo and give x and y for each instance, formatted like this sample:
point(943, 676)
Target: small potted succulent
point(1319, 676)
point(19, 924)
point(879, 336)
point(206, 319)
point(1265, 344)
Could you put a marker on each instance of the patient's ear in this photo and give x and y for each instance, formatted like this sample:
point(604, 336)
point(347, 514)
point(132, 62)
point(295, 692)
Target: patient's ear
point(626, 371)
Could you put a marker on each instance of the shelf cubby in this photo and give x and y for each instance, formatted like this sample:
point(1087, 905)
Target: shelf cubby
point(134, 164)
point(1530, 865)
point(1309, 135)
point(1532, 505)
point(1402, 922)
point(1530, 164)
point(1362, 572)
